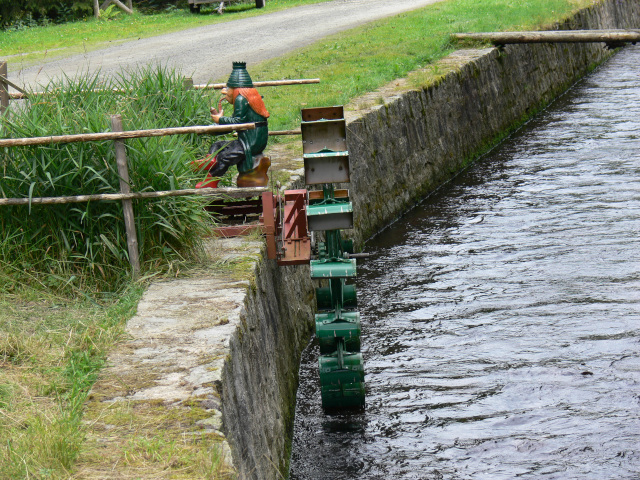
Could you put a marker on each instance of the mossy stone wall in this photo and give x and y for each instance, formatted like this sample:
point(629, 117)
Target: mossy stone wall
point(260, 376)
point(411, 141)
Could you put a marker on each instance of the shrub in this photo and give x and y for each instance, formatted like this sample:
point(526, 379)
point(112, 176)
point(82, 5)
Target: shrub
point(16, 14)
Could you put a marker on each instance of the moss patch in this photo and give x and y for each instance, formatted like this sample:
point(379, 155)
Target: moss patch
point(146, 439)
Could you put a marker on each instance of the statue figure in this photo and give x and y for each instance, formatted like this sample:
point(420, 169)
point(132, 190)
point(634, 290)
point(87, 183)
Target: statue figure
point(246, 151)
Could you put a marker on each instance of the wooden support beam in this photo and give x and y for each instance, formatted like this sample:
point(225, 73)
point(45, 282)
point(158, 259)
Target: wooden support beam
point(561, 36)
point(4, 79)
point(118, 3)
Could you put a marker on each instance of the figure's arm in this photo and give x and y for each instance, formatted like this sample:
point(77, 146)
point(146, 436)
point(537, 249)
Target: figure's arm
point(240, 112)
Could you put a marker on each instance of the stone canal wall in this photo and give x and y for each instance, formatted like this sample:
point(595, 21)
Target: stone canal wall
point(404, 142)
point(407, 141)
point(260, 376)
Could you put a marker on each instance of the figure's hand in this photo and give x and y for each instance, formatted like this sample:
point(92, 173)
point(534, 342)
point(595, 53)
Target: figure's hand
point(215, 115)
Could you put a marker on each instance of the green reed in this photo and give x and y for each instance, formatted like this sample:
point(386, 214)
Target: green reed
point(84, 244)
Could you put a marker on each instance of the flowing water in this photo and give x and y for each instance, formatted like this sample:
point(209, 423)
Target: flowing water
point(501, 316)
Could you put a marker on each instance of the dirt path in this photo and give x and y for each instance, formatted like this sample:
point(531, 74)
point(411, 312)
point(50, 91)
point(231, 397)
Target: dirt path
point(206, 53)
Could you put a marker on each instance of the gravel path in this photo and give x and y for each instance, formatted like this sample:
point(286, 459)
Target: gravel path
point(206, 53)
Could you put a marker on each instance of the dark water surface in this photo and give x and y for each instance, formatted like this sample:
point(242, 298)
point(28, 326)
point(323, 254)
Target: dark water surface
point(501, 317)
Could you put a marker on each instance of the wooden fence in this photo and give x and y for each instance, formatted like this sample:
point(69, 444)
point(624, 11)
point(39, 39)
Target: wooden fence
point(4, 88)
point(118, 135)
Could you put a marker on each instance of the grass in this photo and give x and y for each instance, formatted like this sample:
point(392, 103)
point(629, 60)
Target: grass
point(51, 350)
point(148, 440)
point(29, 46)
point(51, 347)
point(364, 59)
point(82, 246)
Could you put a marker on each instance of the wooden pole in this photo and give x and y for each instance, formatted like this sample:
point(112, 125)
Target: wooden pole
point(211, 86)
point(268, 83)
point(286, 132)
point(561, 36)
point(130, 4)
point(221, 193)
point(158, 132)
point(4, 89)
point(96, 8)
point(127, 204)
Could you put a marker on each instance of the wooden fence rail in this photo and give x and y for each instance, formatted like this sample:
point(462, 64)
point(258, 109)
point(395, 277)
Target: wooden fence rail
point(614, 37)
point(158, 132)
point(22, 94)
point(222, 193)
point(268, 83)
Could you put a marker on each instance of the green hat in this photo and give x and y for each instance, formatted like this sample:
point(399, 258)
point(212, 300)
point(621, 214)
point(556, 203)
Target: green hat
point(239, 76)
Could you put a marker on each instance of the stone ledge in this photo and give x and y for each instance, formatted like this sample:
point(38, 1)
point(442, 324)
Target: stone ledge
point(168, 374)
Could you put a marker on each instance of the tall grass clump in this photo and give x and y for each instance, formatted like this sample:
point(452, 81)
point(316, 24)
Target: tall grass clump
point(79, 245)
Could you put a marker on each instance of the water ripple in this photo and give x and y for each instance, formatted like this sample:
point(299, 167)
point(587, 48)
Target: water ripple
point(501, 317)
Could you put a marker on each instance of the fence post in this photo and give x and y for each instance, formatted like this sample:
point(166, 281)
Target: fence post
point(4, 89)
point(188, 83)
point(127, 205)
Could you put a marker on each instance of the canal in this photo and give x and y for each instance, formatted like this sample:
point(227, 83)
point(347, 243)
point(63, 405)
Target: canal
point(501, 316)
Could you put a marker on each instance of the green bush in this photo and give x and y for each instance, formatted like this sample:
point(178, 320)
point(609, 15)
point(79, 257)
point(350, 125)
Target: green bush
point(84, 244)
point(27, 12)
